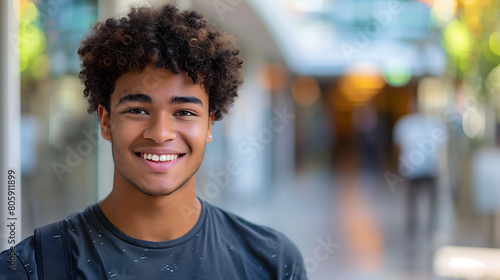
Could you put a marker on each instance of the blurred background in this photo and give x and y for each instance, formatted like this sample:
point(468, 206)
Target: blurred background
point(367, 131)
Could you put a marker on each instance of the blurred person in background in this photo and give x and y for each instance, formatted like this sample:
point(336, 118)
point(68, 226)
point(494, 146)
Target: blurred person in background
point(420, 138)
point(158, 79)
point(369, 138)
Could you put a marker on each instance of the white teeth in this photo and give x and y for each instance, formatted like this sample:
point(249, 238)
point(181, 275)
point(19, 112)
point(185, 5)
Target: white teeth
point(156, 157)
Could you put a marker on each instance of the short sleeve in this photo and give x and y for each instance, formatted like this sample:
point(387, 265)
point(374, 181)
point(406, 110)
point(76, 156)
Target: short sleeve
point(18, 263)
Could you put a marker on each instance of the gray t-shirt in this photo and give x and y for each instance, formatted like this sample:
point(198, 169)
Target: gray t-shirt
point(220, 246)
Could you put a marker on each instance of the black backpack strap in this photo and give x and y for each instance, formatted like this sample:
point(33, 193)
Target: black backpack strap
point(52, 252)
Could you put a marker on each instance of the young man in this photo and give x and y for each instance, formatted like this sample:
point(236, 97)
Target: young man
point(158, 79)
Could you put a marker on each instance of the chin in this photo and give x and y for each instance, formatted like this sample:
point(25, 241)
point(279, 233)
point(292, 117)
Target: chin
point(158, 191)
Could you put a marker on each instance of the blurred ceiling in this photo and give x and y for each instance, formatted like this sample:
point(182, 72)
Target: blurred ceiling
point(326, 37)
point(240, 20)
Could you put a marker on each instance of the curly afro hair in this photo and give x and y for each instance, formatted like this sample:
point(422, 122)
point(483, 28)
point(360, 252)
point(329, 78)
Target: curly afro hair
point(167, 38)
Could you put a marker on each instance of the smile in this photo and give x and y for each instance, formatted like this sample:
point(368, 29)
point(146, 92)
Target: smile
point(160, 157)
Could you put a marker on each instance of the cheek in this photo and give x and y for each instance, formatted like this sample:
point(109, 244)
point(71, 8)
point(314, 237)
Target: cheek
point(124, 133)
point(196, 134)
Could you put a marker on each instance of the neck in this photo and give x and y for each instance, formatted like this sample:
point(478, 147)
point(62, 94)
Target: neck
point(152, 218)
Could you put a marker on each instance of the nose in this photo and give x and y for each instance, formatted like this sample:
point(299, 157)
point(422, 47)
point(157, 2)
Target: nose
point(160, 129)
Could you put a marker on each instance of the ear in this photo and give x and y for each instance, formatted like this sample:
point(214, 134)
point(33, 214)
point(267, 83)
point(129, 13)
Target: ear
point(210, 122)
point(104, 121)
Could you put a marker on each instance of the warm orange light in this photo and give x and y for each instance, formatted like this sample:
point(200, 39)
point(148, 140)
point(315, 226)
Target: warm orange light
point(305, 90)
point(361, 83)
point(364, 236)
point(274, 77)
point(21, 4)
point(356, 95)
point(364, 81)
point(471, 16)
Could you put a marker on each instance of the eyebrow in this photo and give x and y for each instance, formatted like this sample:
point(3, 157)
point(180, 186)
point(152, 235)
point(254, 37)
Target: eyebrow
point(138, 97)
point(185, 99)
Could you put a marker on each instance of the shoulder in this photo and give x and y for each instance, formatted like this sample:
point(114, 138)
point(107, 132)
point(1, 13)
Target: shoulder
point(265, 243)
point(230, 223)
point(19, 262)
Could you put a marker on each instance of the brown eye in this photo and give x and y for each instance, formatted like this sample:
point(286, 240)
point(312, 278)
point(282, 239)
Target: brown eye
point(185, 113)
point(136, 111)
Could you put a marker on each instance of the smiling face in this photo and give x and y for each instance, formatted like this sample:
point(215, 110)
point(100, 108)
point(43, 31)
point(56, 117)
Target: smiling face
point(158, 125)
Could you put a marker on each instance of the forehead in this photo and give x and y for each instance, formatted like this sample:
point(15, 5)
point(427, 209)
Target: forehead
point(157, 83)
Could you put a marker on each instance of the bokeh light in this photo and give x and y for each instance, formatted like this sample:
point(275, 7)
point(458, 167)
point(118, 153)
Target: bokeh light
point(472, 122)
point(305, 90)
point(397, 73)
point(273, 77)
point(40, 66)
point(457, 41)
point(443, 11)
point(494, 42)
point(432, 94)
point(32, 40)
point(361, 82)
point(28, 13)
point(492, 85)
